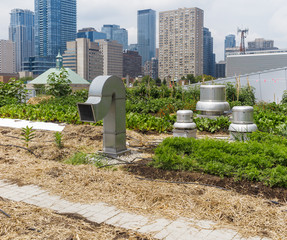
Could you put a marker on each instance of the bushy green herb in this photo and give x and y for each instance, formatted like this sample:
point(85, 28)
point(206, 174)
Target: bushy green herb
point(262, 158)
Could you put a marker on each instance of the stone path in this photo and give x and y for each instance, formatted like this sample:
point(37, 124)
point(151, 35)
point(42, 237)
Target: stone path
point(182, 228)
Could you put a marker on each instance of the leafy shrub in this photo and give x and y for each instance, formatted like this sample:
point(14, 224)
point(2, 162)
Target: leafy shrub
point(246, 95)
point(12, 92)
point(263, 160)
point(212, 125)
point(59, 84)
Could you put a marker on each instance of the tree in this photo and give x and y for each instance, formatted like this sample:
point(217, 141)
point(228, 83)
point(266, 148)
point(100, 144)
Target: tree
point(59, 84)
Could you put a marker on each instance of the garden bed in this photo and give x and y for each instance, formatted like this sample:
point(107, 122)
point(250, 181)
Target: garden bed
point(174, 193)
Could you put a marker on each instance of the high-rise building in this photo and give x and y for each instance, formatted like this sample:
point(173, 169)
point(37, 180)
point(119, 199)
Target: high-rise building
point(260, 44)
point(229, 42)
point(180, 43)
point(114, 32)
point(21, 32)
point(151, 68)
point(220, 69)
point(208, 55)
point(7, 56)
point(55, 24)
point(132, 64)
point(112, 53)
point(91, 34)
point(84, 57)
point(146, 34)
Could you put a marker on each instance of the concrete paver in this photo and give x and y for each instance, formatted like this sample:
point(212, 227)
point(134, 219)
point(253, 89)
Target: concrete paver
point(182, 228)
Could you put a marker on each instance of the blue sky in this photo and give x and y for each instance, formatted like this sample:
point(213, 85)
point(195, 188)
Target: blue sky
point(263, 18)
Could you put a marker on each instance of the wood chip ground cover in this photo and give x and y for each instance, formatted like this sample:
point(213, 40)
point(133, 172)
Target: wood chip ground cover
point(250, 215)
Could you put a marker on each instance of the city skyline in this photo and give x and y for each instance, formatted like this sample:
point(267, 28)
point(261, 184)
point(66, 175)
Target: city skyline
point(265, 19)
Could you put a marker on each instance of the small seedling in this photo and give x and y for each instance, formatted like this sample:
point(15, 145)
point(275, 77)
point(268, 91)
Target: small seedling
point(58, 139)
point(28, 134)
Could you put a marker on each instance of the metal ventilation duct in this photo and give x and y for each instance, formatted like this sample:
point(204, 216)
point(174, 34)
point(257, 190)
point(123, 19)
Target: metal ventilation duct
point(184, 126)
point(242, 122)
point(212, 100)
point(107, 101)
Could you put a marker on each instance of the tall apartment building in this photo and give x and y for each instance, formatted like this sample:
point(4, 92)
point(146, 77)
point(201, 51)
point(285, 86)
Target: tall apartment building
point(84, 57)
point(91, 34)
point(180, 43)
point(21, 32)
point(208, 55)
point(132, 64)
point(7, 56)
point(146, 34)
point(114, 32)
point(55, 24)
point(151, 68)
point(112, 53)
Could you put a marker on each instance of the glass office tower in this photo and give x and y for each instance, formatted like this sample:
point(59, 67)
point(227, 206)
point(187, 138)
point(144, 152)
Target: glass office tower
point(55, 24)
point(114, 32)
point(146, 34)
point(21, 32)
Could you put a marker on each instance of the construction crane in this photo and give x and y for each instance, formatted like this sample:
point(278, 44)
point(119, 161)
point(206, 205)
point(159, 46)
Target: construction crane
point(243, 33)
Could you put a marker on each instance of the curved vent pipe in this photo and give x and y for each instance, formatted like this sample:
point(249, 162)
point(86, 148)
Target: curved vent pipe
point(107, 101)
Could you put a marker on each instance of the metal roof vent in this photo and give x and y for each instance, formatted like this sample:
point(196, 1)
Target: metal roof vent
point(184, 126)
point(212, 101)
point(242, 122)
point(107, 101)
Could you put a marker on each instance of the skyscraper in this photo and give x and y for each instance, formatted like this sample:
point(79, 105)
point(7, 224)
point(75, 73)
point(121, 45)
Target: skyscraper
point(55, 24)
point(180, 43)
point(146, 34)
point(229, 42)
point(21, 32)
point(114, 32)
point(208, 55)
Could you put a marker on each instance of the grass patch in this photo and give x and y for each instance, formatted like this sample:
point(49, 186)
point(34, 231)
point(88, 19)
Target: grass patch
point(80, 158)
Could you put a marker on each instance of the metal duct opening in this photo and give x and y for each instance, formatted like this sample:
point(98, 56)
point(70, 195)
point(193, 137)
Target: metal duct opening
point(86, 112)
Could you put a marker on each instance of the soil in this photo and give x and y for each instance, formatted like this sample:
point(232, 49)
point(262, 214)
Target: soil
point(243, 186)
point(248, 207)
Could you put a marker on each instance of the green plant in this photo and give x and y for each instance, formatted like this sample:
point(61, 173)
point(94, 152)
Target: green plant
point(58, 139)
point(59, 84)
point(212, 125)
point(241, 95)
point(84, 158)
point(12, 92)
point(261, 158)
point(28, 133)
